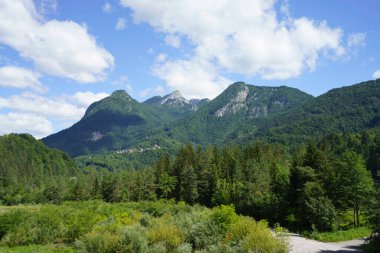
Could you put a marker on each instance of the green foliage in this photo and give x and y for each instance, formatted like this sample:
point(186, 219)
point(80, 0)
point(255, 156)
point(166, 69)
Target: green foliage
point(354, 183)
point(224, 216)
point(318, 210)
point(32, 172)
point(340, 235)
point(130, 227)
point(55, 248)
point(163, 231)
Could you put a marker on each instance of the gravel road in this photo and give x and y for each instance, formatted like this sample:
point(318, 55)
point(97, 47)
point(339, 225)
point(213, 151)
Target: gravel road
point(300, 244)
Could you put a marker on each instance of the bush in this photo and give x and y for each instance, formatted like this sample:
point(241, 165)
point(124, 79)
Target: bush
point(135, 240)
point(254, 236)
point(224, 216)
point(163, 231)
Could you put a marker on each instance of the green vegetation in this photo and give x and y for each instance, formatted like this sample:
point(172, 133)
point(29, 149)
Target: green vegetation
point(95, 226)
point(119, 122)
point(55, 248)
point(31, 172)
point(349, 109)
point(341, 235)
point(312, 187)
point(242, 113)
point(329, 186)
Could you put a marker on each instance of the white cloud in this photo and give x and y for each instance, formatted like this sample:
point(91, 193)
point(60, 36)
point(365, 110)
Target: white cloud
point(107, 7)
point(57, 48)
point(121, 23)
point(236, 36)
point(195, 78)
point(376, 74)
point(150, 51)
point(34, 113)
point(172, 40)
point(42, 106)
point(161, 57)
point(25, 123)
point(356, 40)
point(68, 107)
point(86, 98)
point(21, 78)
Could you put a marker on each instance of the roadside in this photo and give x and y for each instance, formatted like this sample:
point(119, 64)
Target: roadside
point(299, 244)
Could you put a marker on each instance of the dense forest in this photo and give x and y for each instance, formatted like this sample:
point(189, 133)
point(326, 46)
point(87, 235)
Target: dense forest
point(315, 186)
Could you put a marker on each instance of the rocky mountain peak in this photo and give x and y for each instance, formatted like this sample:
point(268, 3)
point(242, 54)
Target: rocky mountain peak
point(237, 103)
point(174, 98)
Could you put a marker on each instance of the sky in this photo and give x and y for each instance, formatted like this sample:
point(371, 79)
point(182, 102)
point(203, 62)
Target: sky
point(59, 56)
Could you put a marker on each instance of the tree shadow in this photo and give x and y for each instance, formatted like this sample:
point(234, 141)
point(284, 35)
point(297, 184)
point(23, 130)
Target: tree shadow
point(348, 249)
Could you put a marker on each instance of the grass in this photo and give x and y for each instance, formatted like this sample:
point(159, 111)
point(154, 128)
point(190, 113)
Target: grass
point(55, 248)
point(338, 236)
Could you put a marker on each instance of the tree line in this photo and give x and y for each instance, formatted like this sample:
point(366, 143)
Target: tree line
point(310, 186)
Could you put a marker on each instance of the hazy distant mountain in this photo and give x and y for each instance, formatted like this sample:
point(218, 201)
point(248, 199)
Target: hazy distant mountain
point(241, 113)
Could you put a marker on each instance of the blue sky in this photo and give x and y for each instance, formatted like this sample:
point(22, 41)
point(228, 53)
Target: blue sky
point(57, 57)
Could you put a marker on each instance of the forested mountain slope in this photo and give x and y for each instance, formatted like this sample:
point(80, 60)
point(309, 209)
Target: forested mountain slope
point(348, 109)
point(27, 166)
point(238, 106)
point(239, 114)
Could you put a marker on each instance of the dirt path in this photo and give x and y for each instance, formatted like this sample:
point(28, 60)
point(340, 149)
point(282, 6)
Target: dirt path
point(300, 244)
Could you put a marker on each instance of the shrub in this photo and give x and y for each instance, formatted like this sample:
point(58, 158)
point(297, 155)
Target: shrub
point(252, 236)
point(204, 234)
point(165, 232)
point(224, 216)
point(135, 240)
point(102, 241)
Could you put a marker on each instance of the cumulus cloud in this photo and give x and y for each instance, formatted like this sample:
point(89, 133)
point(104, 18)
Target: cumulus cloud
point(21, 78)
point(42, 106)
point(57, 48)
point(69, 107)
point(195, 78)
point(236, 36)
point(86, 98)
point(25, 123)
point(173, 40)
point(376, 74)
point(121, 23)
point(34, 113)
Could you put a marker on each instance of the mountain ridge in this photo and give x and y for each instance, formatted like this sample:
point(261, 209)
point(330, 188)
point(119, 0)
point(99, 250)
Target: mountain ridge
point(240, 113)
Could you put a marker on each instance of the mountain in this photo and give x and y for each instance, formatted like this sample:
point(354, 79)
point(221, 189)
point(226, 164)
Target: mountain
point(112, 123)
point(238, 104)
point(239, 114)
point(348, 109)
point(176, 105)
point(26, 162)
point(119, 122)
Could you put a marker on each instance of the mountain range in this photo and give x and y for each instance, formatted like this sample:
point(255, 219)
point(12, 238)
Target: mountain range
point(239, 114)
